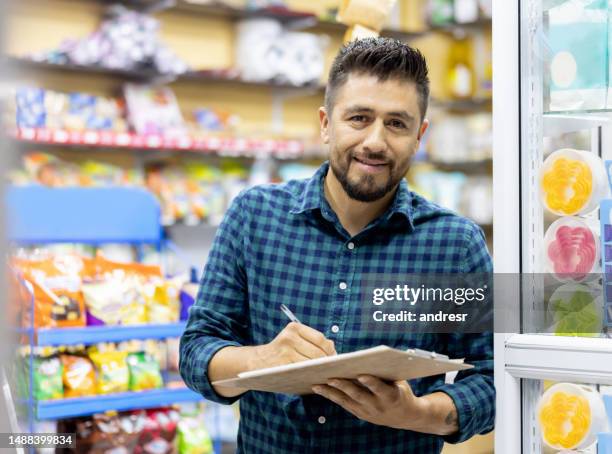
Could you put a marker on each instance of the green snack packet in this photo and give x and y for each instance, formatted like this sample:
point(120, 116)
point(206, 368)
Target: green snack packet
point(193, 437)
point(144, 372)
point(47, 377)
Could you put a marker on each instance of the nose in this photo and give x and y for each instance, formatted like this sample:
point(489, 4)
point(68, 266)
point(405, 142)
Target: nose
point(374, 141)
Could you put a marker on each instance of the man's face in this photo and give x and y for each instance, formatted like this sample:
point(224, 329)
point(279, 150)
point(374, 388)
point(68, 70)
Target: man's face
point(373, 132)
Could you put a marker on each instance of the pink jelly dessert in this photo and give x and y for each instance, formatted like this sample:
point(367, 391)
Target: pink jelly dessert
point(573, 251)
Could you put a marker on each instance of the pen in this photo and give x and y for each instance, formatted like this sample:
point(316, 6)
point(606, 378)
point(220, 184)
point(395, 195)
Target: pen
point(289, 314)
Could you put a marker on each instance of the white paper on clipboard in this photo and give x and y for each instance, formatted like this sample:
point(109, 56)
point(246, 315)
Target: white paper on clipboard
point(384, 362)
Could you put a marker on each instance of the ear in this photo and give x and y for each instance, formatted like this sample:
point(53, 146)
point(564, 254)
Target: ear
point(324, 121)
point(422, 129)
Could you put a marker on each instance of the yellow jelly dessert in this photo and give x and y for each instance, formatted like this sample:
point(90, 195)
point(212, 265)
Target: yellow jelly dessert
point(565, 419)
point(567, 186)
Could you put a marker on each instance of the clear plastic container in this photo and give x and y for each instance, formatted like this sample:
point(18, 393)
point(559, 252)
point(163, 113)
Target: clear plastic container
point(572, 182)
point(570, 416)
point(576, 310)
point(571, 249)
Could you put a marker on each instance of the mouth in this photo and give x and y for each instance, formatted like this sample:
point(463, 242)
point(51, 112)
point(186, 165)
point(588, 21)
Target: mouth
point(371, 165)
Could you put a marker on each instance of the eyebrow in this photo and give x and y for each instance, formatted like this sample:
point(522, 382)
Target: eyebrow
point(362, 109)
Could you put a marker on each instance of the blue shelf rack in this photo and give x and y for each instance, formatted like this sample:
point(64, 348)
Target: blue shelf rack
point(39, 215)
point(84, 406)
point(95, 334)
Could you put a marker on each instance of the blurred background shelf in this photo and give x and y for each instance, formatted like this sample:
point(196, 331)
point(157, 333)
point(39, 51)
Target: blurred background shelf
point(206, 145)
point(90, 335)
point(83, 406)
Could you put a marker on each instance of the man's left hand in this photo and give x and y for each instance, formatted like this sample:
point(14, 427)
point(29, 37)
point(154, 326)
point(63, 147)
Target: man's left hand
point(379, 402)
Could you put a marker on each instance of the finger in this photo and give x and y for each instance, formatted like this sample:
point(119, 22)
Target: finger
point(296, 357)
point(383, 390)
point(307, 349)
point(316, 338)
point(356, 392)
point(338, 397)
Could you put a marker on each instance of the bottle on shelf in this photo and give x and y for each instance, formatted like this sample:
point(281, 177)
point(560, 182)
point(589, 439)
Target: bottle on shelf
point(460, 77)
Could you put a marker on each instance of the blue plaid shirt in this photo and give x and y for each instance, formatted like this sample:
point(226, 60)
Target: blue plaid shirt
point(284, 244)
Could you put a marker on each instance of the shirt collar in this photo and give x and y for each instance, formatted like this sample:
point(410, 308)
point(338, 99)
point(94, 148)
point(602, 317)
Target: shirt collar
point(313, 198)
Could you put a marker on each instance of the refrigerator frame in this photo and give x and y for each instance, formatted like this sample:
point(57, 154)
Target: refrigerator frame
point(522, 361)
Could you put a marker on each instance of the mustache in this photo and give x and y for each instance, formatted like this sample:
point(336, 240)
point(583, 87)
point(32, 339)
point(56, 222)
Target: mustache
point(371, 156)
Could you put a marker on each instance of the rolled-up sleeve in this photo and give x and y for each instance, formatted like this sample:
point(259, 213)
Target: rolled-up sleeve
point(219, 317)
point(473, 391)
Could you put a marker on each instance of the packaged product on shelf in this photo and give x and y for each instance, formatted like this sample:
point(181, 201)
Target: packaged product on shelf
point(576, 310)
point(144, 372)
point(193, 438)
point(302, 59)
point(47, 376)
point(56, 286)
point(187, 297)
point(257, 56)
point(126, 39)
point(153, 110)
point(460, 76)
point(570, 416)
point(40, 108)
point(30, 109)
point(115, 301)
point(440, 12)
point(572, 182)
point(191, 192)
point(465, 11)
point(571, 246)
point(112, 371)
point(122, 294)
point(105, 433)
point(577, 38)
point(372, 14)
point(159, 432)
point(78, 376)
point(266, 52)
point(162, 298)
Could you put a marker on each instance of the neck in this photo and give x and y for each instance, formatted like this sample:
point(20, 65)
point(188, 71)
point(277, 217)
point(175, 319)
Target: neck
point(352, 214)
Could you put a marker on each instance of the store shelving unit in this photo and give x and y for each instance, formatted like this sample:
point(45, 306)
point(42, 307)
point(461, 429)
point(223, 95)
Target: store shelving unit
point(85, 406)
point(38, 215)
point(95, 334)
point(156, 142)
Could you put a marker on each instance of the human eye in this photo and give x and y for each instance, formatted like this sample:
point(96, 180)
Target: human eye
point(358, 118)
point(397, 124)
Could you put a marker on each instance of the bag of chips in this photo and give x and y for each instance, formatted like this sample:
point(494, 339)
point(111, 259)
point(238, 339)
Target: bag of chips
point(144, 372)
point(47, 375)
point(56, 285)
point(159, 433)
point(193, 438)
point(79, 376)
point(112, 371)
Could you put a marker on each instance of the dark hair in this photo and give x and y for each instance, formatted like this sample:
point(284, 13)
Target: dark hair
point(384, 58)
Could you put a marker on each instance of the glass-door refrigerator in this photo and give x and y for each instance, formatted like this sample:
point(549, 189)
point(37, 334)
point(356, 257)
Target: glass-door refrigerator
point(552, 121)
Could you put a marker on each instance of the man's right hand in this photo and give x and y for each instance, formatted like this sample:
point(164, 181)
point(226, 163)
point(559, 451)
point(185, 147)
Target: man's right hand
point(296, 342)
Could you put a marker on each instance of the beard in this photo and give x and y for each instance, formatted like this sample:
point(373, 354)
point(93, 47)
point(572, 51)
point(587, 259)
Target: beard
point(366, 188)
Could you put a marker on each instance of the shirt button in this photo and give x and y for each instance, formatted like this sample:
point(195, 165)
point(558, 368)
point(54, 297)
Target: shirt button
point(321, 420)
point(342, 285)
point(351, 245)
point(335, 328)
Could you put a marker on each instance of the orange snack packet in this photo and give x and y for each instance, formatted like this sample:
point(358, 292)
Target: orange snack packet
point(56, 285)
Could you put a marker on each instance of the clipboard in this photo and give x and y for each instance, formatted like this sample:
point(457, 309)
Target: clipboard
point(384, 362)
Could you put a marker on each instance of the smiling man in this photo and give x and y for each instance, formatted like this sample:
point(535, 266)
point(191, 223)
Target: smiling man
point(307, 244)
